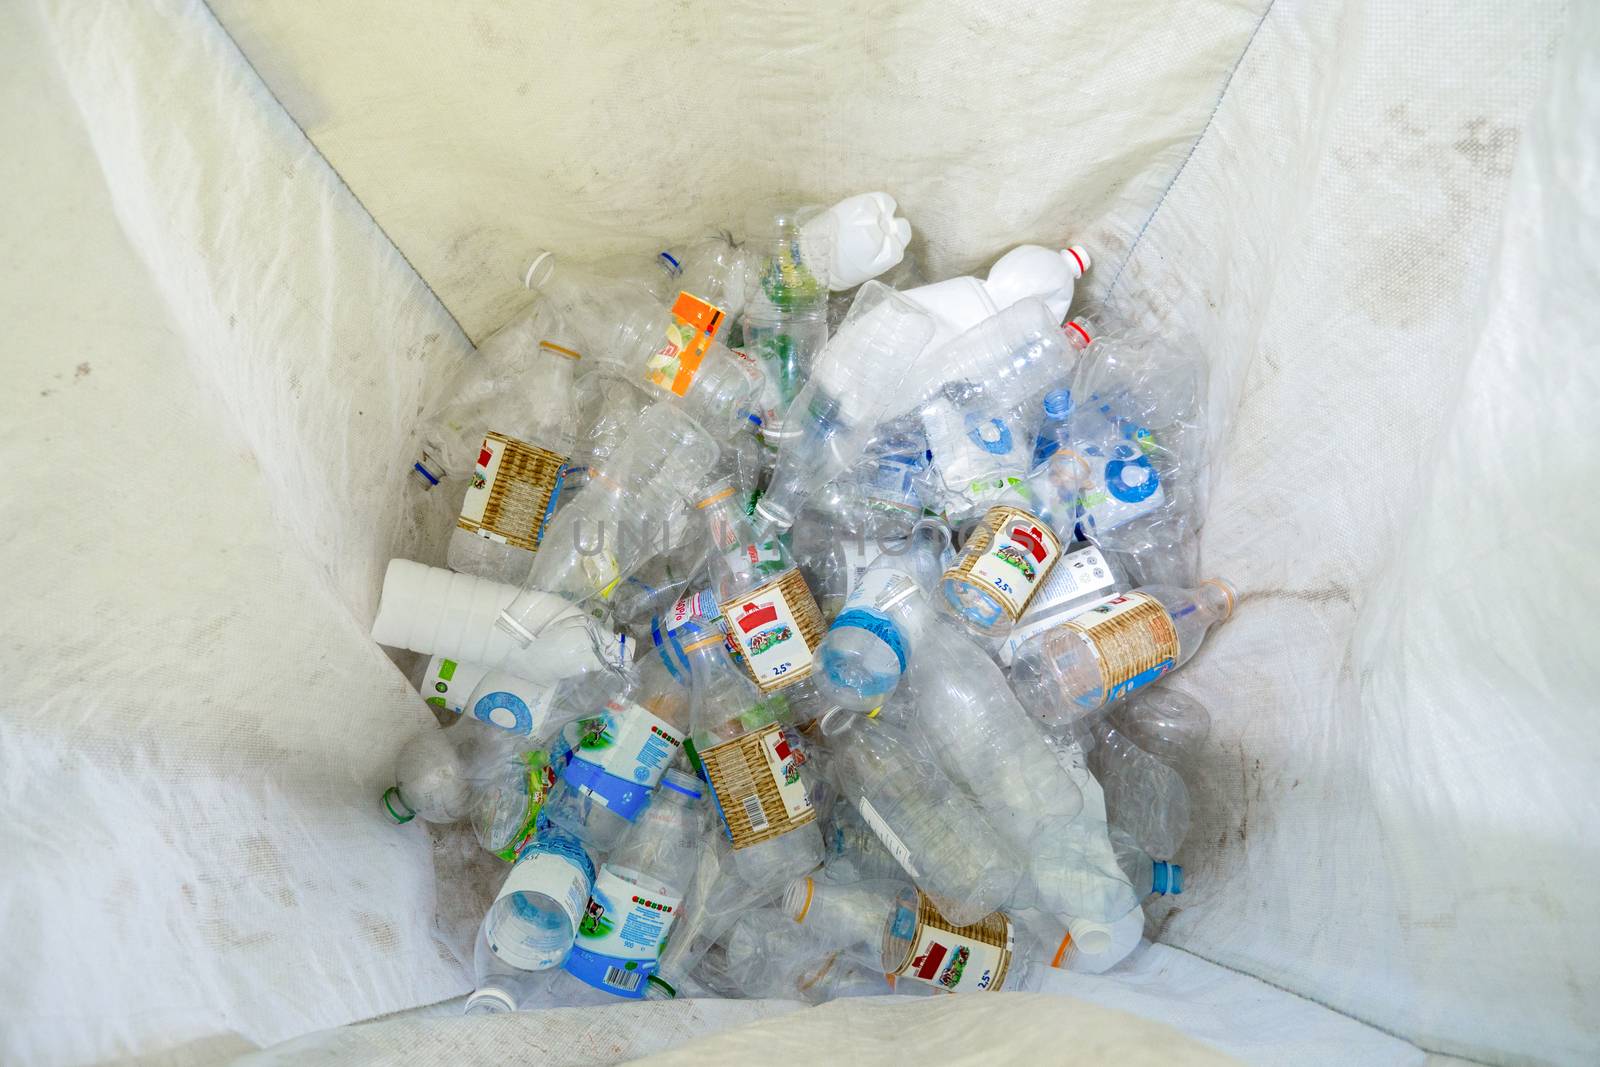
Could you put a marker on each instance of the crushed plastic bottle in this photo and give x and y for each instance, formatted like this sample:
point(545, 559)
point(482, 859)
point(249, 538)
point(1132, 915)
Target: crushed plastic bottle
point(534, 918)
point(863, 236)
point(786, 311)
point(1025, 272)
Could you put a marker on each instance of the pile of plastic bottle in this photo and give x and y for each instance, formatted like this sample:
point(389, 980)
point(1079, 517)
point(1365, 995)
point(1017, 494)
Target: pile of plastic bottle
point(799, 630)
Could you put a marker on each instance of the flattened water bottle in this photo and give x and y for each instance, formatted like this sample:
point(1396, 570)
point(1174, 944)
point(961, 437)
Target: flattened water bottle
point(753, 768)
point(768, 607)
point(640, 890)
point(1115, 647)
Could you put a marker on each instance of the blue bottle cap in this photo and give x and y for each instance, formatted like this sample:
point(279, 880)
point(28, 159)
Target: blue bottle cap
point(1166, 878)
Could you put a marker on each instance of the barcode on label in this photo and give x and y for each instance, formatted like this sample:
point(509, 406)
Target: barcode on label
point(754, 812)
point(618, 978)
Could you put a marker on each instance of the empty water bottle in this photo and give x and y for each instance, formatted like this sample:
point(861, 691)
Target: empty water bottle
point(1115, 648)
point(1145, 798)
point(1082, 576)
point(535, 915)
point(753, 768)
point(1170, 725)
point(640, 890)
point(438, 772)
point(842, 916)
point(786, 313)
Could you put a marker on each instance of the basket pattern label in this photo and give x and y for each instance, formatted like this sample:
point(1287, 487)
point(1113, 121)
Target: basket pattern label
point(756, 782)
point(513, 492)
point(1010, 554)
point(777, 629)
point(1135, 638)
point(961, 959)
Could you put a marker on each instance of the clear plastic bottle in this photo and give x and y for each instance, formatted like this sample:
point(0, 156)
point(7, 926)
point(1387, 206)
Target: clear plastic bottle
point(498, 986)
point(609, 404)
point(833, 416)
point(753, 769)
point(986, 740)
point(714, 268)
point(438, 772)
point(507, 482)
point(535, 915)
point(1145, 798)
point(506, 808)
point(640, 890)
point(621, 519)
point(844, 917)
point(770, 612)
point(872, 641)
point(1169, 724)
point(1115, 648)
point(1073, 882)
point(786, 314)
point(941, 840)
point(623, 750)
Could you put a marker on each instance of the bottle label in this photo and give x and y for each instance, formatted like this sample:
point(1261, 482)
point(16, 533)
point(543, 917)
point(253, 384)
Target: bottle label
point(1083, 576)
point(689, 334)
point(623, 932)
point(556, 866)
point(777, 628)
point(961, 959)
point(1010, 554)
point(541, 779)
point(756, 782)
point(1135, 638)
point(504, 700)
point(620, 755)
point(513, 492)
point(890, 840)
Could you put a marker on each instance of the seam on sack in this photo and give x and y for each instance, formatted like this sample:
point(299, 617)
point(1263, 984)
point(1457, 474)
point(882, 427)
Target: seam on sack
point(326, 162)
point(1222, 94)
point(1321, 1004)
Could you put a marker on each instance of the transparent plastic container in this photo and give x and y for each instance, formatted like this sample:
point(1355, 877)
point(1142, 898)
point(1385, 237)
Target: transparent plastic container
point(534, 918)
point(786, 310)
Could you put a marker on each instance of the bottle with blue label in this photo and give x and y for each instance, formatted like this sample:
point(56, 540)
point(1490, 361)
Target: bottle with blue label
point(870, 644)
point(640, 890)
point(1115, 647)
point(619, 753)
point(535, 916)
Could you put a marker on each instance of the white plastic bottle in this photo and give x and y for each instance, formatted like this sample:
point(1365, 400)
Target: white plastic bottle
point(872, 640)
point(456, 616)
point(864, 238)
point(623, 750)
point(535, 915)
point(1115, 647)
point(753, 768)
point(833, 417)
point(1026, 271)
point(493, 697)
point(640, 890)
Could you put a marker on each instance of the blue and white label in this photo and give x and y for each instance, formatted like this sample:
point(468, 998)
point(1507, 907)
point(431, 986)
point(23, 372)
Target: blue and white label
point(623, 932)
point(522, 929)
point(619, 755)
point(494, 697)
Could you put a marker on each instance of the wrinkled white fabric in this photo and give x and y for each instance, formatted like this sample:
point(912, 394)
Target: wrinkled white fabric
point(1371, 218)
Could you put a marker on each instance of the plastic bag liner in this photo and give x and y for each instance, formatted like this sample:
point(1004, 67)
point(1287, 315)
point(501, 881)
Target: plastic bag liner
point(250, 240)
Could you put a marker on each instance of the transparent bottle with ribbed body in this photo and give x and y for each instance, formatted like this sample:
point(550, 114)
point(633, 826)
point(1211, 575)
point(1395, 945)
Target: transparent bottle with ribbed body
point(1169, 724)
point(619, 521)
point(942, 841)
point(842, 916)
point(623, 749)
point(1114, 648)
point(873, 639)
point(754, 771)
point(640, 889)
point(498, 986)
point(1145, 798)
point(985, 739)
point(831, 420)
point(786, 310)
point(500, 443)
point(768, 606)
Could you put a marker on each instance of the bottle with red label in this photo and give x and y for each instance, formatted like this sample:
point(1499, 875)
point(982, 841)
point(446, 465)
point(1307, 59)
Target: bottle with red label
point(753, 765)
point(501, 458)
point(767, 606)
point(1114, 648)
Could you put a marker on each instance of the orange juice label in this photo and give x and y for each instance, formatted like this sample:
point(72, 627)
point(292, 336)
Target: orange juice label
point(689, 334)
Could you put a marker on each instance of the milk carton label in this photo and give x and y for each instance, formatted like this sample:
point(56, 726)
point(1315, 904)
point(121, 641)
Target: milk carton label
point(620, 755)
point(623, 931)
point(513, 491)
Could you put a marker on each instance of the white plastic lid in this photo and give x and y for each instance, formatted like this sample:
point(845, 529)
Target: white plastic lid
point(1089, 937)
point(491, 999)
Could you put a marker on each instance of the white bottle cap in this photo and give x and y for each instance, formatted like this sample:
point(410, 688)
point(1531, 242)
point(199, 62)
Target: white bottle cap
point(1079, 257)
